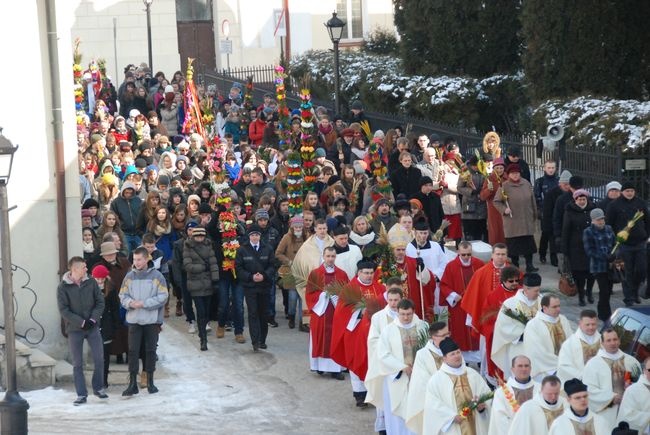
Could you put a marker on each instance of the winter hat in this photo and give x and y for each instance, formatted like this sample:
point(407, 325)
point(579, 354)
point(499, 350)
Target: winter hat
point(261, 214)
point(169, 88)
point(254, 229)
point(198, 231)
point(627, 185)
point(145, 145)
point(356, 105)
point(133, 113)
point(514, 151)
point(565, 176)
point(86, 213)
point(125, 145)
point(186, 174)
point(163, 180)
point(100, 271)
point(425, 180)
point(194, 198)
point(513, 167)
point(360, 167)
point(191, 224)
point(347, 132)
point(204, 207)
point(612, 185)
point(380, 202)
point(296, 221)
point(380, 134)
point(433, 137)
point(498, 162)
point(416, 202)
point(580, 192)
point(532, 280)
point(596, 214)
point(151, 168)
point(131, 169)
point(320, 152)
point(107, 248)
point(140, 163)
point(182, 158)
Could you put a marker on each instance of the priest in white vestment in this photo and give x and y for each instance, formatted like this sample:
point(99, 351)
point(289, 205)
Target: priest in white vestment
point(448, 390)
point(604, 375)
point(508, 339)
point(635, 407)
point(508, 398)
point(427, 362)
point(536, 416)
point(544, 335)
point(378, 322)
point(579, 347)
point(396, 355)
point(347, 256)
point(577, 418)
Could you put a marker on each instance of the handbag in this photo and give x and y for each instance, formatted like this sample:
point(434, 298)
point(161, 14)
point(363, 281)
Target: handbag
point(566, 284)
point(617, 271)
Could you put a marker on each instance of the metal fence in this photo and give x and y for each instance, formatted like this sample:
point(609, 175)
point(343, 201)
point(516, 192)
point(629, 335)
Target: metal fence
point(596, 165)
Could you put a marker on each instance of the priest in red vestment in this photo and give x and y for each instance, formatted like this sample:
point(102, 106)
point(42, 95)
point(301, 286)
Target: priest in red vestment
point(453, 284)
point(349, 332)
point(419, 282)
point(484, 280)
point(321, 308)
point(510, 279)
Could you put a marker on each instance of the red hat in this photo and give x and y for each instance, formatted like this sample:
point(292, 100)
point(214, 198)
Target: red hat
point(100, 271)
point(513, 167)
point(347, 132)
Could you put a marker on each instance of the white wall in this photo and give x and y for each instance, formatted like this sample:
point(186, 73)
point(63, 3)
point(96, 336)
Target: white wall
point(93, 23)
point(25, 82)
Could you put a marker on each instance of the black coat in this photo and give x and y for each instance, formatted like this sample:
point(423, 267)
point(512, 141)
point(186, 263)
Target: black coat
point(523, 166)
point(406, 181)
point(574, 222)
point(432, 208)
point(561, 204)
point(548, 205)
point(621, 211)
point(249, 262)
point(111, 316)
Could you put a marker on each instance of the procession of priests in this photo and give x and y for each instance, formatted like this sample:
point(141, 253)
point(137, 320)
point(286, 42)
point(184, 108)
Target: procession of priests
point(438, 344)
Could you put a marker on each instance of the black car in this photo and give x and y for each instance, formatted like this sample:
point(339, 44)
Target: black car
point(633, 327)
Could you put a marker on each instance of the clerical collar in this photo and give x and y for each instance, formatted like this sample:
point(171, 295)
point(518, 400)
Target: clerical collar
point(613, 356)
point(582, 417)
point(522, 385)
point(550, 403)
point(427, 245)
point(329, 269)
point(458, 371)
point(467, 262)
point(391, 313)
point(545, 317)
point(340, 250)
point(589, 339)
point(498, 267)
point(363, 282)
point(433, 348)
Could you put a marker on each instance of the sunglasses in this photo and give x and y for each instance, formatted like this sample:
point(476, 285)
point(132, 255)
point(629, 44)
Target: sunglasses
point(465, 255)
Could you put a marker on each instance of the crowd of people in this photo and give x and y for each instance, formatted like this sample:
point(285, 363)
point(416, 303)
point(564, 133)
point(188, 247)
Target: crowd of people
point(370, 275)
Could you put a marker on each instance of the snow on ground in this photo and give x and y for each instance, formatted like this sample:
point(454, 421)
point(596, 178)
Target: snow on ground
point(227, 390)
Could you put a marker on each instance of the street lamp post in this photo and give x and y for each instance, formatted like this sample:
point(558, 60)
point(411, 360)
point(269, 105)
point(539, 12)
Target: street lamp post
point(147, 5)
point(335, 28)
point(13, 408)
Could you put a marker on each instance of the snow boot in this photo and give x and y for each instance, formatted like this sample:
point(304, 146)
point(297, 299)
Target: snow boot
point(133, 385)
point(151, 388)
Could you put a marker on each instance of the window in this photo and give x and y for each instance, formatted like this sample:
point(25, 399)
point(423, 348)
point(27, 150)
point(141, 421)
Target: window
point(643, 349)
point(351, 12)
point(627, 333)
point(193, 10)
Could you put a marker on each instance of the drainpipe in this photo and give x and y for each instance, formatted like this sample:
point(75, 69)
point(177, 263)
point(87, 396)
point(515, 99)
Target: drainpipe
point(287, 39)
point(57, 124)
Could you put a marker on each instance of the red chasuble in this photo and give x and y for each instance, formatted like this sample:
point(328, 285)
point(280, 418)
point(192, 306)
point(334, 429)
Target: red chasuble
point(412, 292)
point(320, 327)
point(484, 280)
point(491, 308)
point(349, 348)
point(455, 279)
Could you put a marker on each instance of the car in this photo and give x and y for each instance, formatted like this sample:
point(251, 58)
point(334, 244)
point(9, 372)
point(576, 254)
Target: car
point(633, 327)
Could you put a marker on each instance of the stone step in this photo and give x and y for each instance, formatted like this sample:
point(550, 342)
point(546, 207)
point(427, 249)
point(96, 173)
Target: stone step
point(34, 368)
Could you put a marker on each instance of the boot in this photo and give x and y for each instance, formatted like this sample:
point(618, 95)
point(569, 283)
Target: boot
point(151, 388)
point(581, 297)
point(292, 322)
point(204, 341)
point(221, 332)
point(143, 379)
point(554, 262)
point(529, 264)
point(179, 308)
point(133, 385)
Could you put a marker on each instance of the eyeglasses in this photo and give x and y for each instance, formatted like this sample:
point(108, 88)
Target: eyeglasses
point(512, 280)
point(465, 255)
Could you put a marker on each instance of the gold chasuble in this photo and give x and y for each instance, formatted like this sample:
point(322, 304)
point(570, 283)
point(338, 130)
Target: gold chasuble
point(586, 428)
point(589, 350)
point(523, 395)
point(463, 394)
point(557, 335)
point(409, 341)
point(551, 415)
point(618, 374)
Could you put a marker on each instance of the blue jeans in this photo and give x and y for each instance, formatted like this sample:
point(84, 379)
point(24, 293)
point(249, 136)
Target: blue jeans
point(76, 342)
point(271, 302)
point(132, 241)
point(294, 299)
point(231, 292)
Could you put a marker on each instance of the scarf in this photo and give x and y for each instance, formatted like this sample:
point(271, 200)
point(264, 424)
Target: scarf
point(360, 240)
point(233, 171)
point(159, 229)
point(325, 130)
point(359, 153)
point(88, 247)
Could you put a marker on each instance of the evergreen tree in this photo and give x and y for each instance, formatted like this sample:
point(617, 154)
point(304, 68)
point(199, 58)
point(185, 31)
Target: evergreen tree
point(501, 44)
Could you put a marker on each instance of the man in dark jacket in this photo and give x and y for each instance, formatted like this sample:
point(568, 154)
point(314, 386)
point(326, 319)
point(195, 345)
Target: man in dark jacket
point(547, 189)
point(561, 203)
point(431, 205)
point(612, 192)
point(81, 305)
point(255, 266)
point(514, 156)
point(180, 277)
point(127, 207)
point(406, 178)
point(280, 221)
point(633, 250)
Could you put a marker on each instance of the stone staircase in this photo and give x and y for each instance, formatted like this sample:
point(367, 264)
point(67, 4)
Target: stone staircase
point(34, 368)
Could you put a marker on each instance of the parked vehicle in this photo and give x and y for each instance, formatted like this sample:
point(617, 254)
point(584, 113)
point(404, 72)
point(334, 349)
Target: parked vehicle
point(633, 327)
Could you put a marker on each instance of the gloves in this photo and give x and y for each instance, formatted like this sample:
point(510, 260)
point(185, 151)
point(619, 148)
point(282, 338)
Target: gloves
point(89, 324)
point(420, 263)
